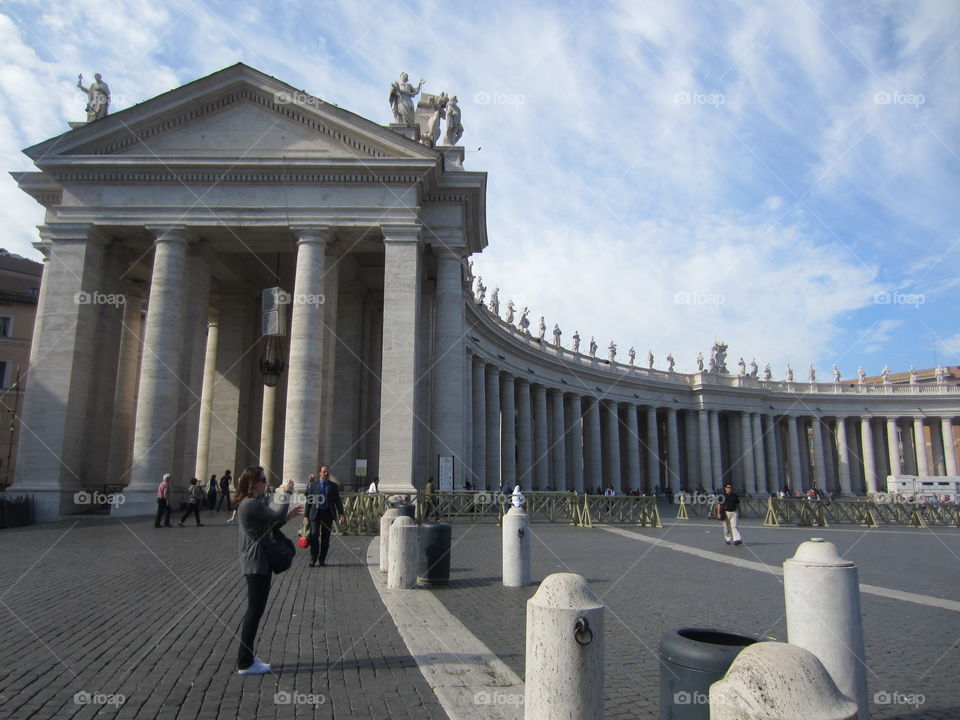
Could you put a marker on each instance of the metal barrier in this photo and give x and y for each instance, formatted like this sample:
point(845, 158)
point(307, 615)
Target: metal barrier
point(15, 510)
point(866, 512)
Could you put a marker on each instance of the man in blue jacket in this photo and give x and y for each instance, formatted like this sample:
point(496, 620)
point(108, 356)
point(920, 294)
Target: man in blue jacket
point(323, 498)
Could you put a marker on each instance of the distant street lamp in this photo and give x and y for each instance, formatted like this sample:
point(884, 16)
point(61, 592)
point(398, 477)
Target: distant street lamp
point(271, 364)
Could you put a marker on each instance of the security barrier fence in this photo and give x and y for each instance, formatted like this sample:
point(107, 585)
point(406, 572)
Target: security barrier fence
point(15, 510)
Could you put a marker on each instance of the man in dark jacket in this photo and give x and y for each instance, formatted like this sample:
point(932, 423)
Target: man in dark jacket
point(323, 498)
point(225, 482)
point(730, 502)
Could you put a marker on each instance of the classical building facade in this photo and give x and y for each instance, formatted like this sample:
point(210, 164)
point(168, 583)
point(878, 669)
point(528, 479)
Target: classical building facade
point(166, 221)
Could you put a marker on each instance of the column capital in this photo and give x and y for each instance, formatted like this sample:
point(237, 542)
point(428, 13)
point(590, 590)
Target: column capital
point(70, 232)
point(321, 234)
point(169, 233)
point(401, 233)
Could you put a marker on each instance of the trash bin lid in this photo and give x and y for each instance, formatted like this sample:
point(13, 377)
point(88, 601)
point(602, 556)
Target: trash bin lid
point(705, 649)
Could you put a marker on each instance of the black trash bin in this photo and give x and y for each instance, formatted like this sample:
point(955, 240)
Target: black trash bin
point(691, 660)
point(433, 567)
point(408, 509)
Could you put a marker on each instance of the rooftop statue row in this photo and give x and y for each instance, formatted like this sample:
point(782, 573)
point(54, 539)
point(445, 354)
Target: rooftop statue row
point(434, 108)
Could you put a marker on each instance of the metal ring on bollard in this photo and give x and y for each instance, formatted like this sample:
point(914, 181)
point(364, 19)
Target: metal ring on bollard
point(582, 632)
point(520, 532)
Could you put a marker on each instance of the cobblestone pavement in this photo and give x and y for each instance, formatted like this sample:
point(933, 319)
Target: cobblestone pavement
point(912, 649)
point(94, 609)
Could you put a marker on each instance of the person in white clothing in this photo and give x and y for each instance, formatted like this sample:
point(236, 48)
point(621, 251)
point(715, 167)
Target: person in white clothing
point(372, 490)
point(517, 496)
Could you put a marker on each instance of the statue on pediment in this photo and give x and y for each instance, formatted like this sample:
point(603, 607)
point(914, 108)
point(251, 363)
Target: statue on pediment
point(435, 107)
point(556, 334)
point(576, 341)
point(495, 301)
point(670, 362)
point(454, 128)
point(98, 97)
point(401, 98)
point(510, 309)
point(611, 351)
point(632, 354)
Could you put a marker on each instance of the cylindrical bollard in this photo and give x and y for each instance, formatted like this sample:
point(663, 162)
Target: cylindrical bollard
point(822, 597)
point(564, 660)
point(403, 553)
point(516, 548)
point(386, 520)
point(778, 680)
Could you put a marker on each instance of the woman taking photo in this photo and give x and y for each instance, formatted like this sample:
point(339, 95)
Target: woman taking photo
point(257, 520)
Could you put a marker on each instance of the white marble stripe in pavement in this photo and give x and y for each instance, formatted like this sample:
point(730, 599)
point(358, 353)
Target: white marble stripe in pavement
point(468, 679)
point(890, 593)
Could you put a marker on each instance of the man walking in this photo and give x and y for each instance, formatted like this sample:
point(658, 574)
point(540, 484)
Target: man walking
point(728, 507)
point(225, 490)
point(163, 501)
point(323, 498)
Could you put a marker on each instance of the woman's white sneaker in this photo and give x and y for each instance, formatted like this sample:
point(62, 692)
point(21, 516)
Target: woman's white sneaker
point(259, 667)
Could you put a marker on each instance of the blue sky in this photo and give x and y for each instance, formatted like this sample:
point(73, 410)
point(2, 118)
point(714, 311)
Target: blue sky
point(781, 176)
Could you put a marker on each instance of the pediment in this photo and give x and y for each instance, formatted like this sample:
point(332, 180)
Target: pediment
point(237, 113)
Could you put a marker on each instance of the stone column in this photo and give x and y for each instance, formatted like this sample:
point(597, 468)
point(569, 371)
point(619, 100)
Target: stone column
point(301, 438)
point(716, 455)
point(268, 418)
point(575, 435)
point(949, 446)
point(703, 426)
point(459, 483)
point(157, 400)
point(633, 449)
point(896, 467)
point(125, 400)
point(653, 450)
point(399, 385)
point(869, 466)
point(691, 443)
point(541, 463)
point(448, 402)
point(206, 397)
point(611, 445)
point(843, 457)
point(758, 463)
point(492, 478)
point(819, 462)
point(673, 451)
point(558, 446)
point(508, 437)
point(920, 444)
point(478, 470)
point(771, 455)
point(524, 436)
point(328, 375)
point(746, 455)
point(793, 443)
point(594, 453)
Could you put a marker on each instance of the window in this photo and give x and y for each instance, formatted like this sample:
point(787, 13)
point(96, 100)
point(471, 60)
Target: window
point(3, 373)
point(6, 326)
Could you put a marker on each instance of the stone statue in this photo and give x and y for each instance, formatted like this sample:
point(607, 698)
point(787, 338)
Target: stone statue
point(481, 291)
point(510, 309)
point(576, 341)
point(861, 376)
point(885, 373)
point(788, 375)
point(718, 358)
point(470, 271)
point(454, 128)
point(941, 373)
point(767, 372)
point(438, 104)
point(402, 94)
point(98, 97)
point(753, 368)
point(556, 334)
point(524, 323)
point(543, 329)
point(700, 361)
point(495, 301)
point(741, 368)
point(670, 362)
point(633, 356)
point(836, 373)
point(811, 374)
point(612, 351)
point(593, 347)
point(650, 359)
point(914, 376)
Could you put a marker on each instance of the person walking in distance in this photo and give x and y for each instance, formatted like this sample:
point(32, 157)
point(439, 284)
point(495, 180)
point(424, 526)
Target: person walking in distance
point(194, 498)
point(729, 507)
point(257, 520)
point(323, 498)
point(163, 501)
point(225, 490)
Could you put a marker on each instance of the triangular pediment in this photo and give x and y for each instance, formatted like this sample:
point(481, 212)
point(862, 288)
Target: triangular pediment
point(238, 112)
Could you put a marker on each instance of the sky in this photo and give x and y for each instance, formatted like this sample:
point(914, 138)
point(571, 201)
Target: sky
point(780, 176)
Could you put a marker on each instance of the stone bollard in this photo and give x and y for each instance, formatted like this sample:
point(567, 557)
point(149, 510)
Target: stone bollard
point(386, 520)
point(516, 548)
point(564, 660)
point(822, 597)
point(778, 680)
point(403, 553)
